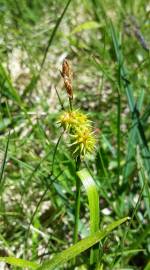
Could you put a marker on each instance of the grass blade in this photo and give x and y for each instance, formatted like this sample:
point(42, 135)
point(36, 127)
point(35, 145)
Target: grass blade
point(19, 262)
point(4, 160)
point(78, 248)
point(93, 199)
point(7, 87)
point(147, 266)
point(54, 32)
point(131, 151)
point(85, 26)
point(143, 177)
point(141, 139)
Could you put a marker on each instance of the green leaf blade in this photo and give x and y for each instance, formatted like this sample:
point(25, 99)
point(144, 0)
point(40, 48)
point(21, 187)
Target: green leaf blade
point(93, 198)
point(19, 262)
point(78, 248)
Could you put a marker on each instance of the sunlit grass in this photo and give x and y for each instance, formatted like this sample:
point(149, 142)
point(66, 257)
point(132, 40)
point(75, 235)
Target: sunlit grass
point(108, 45)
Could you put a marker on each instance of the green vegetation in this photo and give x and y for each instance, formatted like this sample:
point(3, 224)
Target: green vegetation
point(74, 151)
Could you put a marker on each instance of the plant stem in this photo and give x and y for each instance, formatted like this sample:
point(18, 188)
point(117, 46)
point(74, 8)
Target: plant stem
point(77, 210)
point(118, 132)
point(77, 205)
point(70, 103)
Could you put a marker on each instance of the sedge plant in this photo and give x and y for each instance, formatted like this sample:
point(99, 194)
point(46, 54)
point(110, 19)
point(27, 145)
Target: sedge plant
point(81, 137)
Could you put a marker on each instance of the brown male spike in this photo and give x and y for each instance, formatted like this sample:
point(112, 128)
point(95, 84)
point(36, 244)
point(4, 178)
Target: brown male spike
point(67, 76)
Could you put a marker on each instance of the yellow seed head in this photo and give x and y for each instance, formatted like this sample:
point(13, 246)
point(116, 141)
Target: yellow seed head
point(83, 141)
point(73, 119)
point(66, 120)
point(80, 130)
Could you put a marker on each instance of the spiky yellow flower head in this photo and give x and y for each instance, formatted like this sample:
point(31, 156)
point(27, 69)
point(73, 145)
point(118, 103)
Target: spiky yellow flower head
point(73, 119)
point(66, 120)
point(83, 141)
point(79, 129)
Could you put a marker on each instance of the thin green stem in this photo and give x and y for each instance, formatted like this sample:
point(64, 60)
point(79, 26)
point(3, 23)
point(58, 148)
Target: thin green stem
point(54, 33)
point(55, 151)
point(77, 210)
point(4, 160)
point(70, 103)
point(118, 133)
point(77, 204)
point(60, 101)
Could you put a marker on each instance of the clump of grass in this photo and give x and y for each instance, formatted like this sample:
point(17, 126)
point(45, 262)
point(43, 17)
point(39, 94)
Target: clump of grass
point(38, 173)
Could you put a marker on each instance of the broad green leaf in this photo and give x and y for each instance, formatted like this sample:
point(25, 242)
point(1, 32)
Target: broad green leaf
point(78, 248)
point(93, 199)
point(19, 262)
point(85, 26)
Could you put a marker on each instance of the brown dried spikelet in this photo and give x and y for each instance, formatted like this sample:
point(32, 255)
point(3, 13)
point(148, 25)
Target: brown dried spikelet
point(67, 76)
